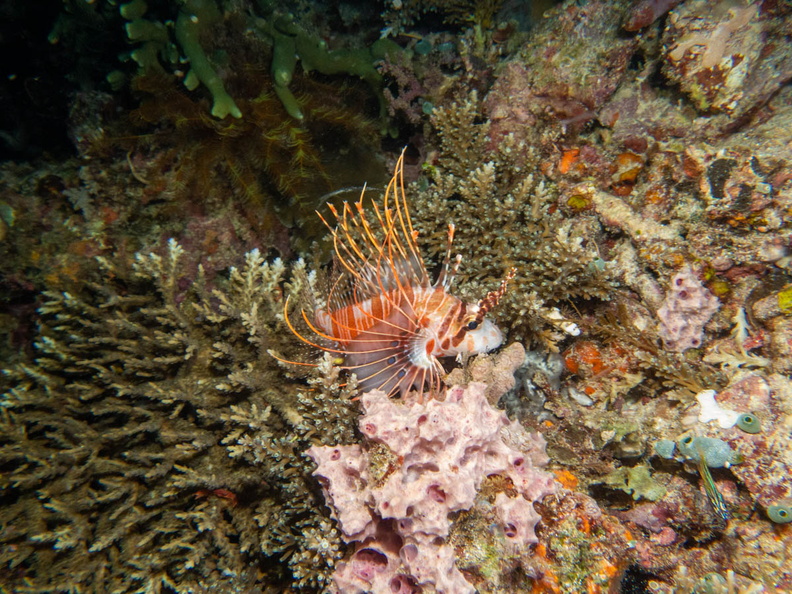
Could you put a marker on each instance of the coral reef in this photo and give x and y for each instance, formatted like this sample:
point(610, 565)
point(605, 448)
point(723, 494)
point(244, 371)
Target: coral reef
point(510, 222)
point(147, 448)
point(292, 44)
point(651, 190)
point(272, 164)
point(644, 13)
point(416, 81)
point(604, 151)
point(542, 87)
point(221, 131)
point(726, 57)
point(403, 14)
point(583, 549)
point(764, 468)
point(196, 17)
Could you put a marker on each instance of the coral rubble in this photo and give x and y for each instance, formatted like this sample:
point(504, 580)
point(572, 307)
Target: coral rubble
point(725, 57)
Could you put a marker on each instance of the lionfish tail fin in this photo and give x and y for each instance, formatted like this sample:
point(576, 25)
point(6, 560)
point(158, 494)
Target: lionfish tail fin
point(492, 298)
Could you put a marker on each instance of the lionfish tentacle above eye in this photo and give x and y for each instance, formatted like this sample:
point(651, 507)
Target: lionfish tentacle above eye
point(383, 314)
point(492, 298)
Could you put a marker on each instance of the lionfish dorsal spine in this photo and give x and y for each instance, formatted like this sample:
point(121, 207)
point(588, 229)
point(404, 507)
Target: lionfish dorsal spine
point(448, 271)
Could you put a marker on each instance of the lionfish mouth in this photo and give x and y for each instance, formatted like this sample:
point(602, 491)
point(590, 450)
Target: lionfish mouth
point(383, 314)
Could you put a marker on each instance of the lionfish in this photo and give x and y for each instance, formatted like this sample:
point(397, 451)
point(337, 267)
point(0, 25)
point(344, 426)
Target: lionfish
point(383, 315)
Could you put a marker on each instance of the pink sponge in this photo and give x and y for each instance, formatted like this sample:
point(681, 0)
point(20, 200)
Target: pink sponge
point(688, 306)
point(441, 452)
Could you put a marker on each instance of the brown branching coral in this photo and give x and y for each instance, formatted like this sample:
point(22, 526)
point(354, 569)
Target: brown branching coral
point(506, 217)
point(152, 447)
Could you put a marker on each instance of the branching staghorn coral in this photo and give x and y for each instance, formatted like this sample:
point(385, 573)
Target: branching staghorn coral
point(153, 447)
point(505, 217)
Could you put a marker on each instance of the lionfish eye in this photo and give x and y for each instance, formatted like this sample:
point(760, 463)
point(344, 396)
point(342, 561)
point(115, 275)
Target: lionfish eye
point(472, 325)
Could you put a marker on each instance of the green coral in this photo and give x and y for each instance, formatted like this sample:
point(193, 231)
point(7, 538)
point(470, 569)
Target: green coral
point(271, 160)
point(195, 17)
point(152, 37)
point(291, 44)
point(154, 445)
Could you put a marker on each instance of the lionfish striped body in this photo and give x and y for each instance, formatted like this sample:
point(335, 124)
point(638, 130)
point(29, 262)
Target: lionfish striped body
point(383, 314)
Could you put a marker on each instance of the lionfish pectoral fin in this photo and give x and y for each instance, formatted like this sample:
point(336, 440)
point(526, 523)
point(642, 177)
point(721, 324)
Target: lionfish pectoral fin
point(382, 368)
point(277, 357)
point(380, 357)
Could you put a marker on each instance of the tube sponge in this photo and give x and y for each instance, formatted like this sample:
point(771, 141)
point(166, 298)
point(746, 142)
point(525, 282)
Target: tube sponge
point(688, 306)
point(436, 455)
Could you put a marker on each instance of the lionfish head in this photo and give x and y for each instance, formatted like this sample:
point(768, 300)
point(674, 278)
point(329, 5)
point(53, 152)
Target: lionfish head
point(470, 332)
point(473, 335)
